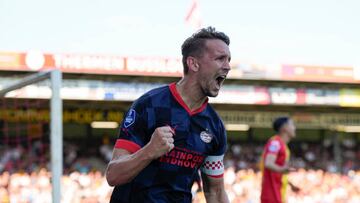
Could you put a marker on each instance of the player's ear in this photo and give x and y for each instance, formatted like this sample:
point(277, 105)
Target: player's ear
point(192, 63)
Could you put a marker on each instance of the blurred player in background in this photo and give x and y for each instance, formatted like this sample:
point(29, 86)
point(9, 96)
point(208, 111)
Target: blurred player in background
point(170, 132)
point(275, 162)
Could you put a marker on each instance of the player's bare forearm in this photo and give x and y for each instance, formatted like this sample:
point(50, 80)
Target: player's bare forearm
point(215, 197)
point(125, 166)
point(214, 190)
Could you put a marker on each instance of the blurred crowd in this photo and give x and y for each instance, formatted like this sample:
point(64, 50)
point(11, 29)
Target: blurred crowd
point(25, 176)
point(303, 155)
point(35, 187)
point(316, 186)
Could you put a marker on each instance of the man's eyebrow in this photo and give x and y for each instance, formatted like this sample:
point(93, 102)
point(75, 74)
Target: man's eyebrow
point(223, 55)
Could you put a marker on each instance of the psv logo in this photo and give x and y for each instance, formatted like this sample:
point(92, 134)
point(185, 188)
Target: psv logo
point(206, 137)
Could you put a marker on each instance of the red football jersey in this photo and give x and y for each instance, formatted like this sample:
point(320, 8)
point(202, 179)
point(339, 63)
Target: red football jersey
point(274, 184)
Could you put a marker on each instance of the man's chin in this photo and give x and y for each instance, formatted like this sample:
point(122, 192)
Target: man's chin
point(213, 94)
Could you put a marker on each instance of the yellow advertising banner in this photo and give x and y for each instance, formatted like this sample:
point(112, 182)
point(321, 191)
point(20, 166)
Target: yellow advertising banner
point(350, 97)
point(302, 120)
point(252, 118)
point(76, 116)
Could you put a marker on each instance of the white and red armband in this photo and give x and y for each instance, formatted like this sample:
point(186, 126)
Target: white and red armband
point(213, 166)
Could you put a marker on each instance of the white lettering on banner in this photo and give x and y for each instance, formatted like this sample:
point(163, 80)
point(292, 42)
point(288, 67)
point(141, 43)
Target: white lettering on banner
point(283, 95)
point(343, 73)
point(332, 97)
point(242, 95)
point(78, 62)
point(153, 65)
point(322, 97)
point(315, 96)
point(304, 121)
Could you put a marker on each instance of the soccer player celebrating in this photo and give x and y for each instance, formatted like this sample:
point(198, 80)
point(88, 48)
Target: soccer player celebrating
point(275, 162)
point(170, 132)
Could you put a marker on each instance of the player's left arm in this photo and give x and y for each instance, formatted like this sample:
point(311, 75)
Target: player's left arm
point(214, 189)
point(212, 170)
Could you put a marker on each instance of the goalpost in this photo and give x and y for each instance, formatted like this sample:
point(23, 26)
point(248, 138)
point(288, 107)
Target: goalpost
point(56, 125)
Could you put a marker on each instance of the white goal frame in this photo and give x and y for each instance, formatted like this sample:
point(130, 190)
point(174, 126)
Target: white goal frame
point(56, 124)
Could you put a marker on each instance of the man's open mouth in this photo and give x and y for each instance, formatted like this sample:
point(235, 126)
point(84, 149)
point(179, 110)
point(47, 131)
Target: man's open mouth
point(220, 79)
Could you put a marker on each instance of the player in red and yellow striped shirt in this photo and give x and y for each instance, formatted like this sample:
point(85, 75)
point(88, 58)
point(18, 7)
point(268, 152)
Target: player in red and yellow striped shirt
point(274, 163)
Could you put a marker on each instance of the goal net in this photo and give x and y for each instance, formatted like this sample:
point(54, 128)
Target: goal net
point(31, 129)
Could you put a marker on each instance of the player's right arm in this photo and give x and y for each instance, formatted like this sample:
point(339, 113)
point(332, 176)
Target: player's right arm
point(270, 163)
point(125, 165)
point(271, 152)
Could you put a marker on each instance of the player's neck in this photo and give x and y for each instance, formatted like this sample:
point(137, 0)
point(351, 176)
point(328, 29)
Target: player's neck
point(284, 138)
point(192, 96)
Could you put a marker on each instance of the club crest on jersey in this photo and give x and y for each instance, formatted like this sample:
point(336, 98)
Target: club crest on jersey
point(206, 137)
point(274, 146)
point(130, 118)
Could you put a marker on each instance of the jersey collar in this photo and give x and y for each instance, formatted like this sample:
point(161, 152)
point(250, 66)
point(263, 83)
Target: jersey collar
point(179, 99)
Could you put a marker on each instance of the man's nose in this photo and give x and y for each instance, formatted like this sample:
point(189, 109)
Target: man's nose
point(227, 66)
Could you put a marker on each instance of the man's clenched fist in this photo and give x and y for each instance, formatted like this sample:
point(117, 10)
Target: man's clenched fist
point(161, 142)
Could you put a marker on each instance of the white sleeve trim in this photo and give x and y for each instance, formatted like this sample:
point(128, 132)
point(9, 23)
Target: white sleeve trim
point(213, 165)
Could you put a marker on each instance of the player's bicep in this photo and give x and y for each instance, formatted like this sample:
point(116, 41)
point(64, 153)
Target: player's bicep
point(113, 172)
point(118, 153)
point(212, 184)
